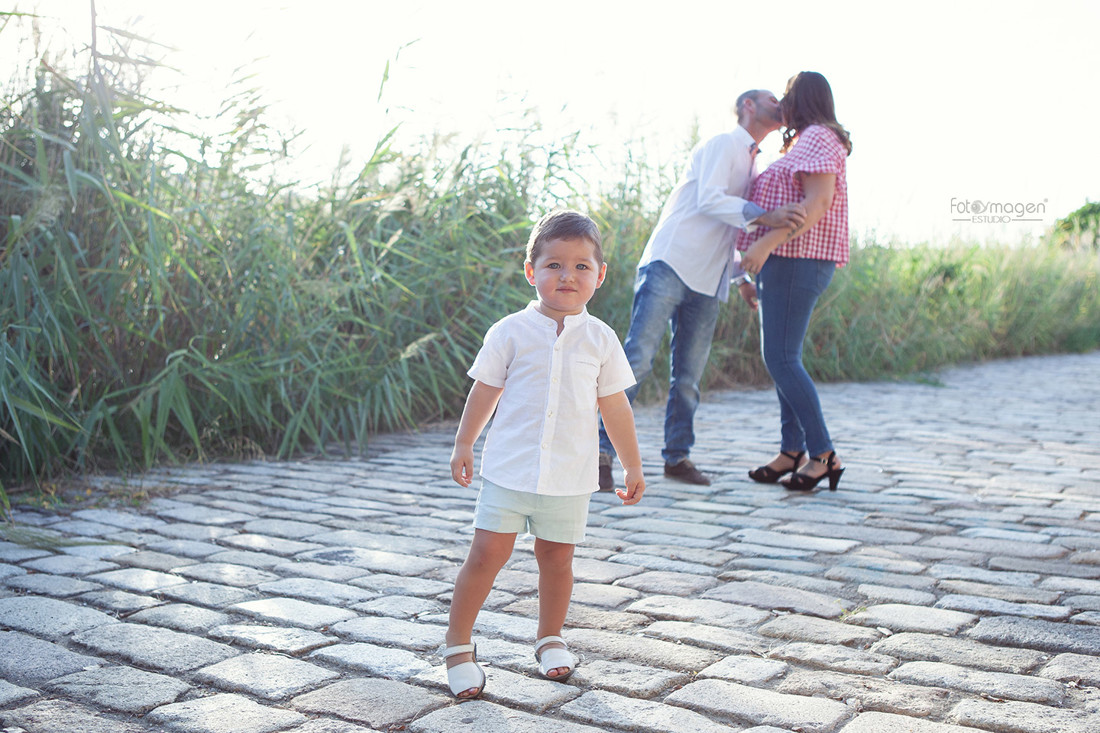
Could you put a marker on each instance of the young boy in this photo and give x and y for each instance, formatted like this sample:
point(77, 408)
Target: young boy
point(545, 371)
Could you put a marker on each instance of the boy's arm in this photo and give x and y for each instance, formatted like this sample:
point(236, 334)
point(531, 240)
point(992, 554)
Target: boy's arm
point(618, 420)
point(480, 404)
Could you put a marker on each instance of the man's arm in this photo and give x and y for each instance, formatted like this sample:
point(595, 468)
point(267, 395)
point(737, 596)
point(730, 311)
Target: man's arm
point(718, 164)
point(618, 420)
point(480, 404)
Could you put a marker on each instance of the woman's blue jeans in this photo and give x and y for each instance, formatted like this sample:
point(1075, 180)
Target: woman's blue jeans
point(788, 289)
point(660, 299)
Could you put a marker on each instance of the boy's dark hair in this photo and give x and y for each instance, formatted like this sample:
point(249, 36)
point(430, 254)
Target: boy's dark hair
point(563, 224)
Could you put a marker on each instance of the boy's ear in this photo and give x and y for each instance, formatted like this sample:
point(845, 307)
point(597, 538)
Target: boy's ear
point(603, 274)
point(529, 271)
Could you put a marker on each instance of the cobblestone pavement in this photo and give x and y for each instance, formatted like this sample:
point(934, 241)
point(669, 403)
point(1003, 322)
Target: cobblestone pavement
point(951, 585)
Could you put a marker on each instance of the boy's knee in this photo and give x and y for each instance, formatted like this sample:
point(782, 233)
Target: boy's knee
point(488, 556)
point(553, 555)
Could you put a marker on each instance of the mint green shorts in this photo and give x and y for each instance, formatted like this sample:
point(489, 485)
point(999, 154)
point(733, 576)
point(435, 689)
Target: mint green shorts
point(551, 518)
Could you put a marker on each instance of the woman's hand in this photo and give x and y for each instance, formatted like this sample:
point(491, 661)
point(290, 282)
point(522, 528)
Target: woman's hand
point(755, 256)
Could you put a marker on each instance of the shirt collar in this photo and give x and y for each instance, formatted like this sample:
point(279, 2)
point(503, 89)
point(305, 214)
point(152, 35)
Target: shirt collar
point(532, 310)
point(742, 136)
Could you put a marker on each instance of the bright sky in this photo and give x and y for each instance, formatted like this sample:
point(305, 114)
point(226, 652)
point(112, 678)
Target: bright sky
point(947, 103)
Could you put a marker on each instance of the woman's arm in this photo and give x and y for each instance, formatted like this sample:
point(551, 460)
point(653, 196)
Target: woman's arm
point(818, 190)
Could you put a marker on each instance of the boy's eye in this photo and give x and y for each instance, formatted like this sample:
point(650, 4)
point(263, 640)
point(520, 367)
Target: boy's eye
point(582, 266)
point(553, 266)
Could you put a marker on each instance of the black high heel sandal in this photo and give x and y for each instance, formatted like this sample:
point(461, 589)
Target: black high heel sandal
point(767, 475)
point(802, 482)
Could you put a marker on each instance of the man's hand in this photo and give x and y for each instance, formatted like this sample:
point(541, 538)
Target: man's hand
point(748, 294)
point(787, 216)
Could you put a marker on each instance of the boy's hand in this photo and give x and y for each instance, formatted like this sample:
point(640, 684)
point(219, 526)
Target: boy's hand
point(462, 465)
point(635, 485)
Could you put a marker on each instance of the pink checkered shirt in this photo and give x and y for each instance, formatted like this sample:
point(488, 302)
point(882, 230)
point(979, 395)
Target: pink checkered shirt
point(817, 150)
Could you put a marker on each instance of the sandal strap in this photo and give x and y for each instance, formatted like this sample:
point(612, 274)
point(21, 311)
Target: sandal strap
point(458, 649)
point(793, 456)
point(549, 640)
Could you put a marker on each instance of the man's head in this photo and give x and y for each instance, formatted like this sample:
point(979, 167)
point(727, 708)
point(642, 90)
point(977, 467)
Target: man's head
point(758, 111)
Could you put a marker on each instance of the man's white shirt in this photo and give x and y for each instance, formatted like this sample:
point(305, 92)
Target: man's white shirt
point(696, 232)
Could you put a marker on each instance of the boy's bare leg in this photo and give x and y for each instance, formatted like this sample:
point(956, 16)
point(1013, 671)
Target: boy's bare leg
point(555, 561)
point(488, 553)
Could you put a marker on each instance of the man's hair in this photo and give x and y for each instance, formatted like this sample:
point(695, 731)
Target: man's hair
point(753, 94)
point(809, 101)
point(563, 224)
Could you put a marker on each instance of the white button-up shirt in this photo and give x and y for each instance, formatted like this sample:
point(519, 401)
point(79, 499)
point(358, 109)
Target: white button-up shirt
point(696, 232)
point(544, 437)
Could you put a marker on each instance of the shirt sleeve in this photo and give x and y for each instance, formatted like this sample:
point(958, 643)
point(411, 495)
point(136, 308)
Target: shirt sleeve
point(615, 372)
point(718, 163)
point(821, 152)
point(490, 365)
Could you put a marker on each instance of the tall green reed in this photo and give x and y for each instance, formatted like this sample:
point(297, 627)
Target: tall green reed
point(159, 306)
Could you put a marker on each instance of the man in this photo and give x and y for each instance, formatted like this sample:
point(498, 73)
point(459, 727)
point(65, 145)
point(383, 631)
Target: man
point(685, 271)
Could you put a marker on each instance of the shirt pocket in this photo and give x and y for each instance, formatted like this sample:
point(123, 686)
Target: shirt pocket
point(586, 373)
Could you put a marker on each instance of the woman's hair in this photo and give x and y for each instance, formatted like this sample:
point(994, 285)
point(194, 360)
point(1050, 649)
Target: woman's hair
point(564, 224)
point(809, 101)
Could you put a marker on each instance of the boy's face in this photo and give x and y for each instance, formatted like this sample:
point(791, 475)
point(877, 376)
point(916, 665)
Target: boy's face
point(566, 274)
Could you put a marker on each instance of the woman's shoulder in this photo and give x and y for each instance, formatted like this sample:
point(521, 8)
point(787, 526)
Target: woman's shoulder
point(822, 135)
point(817, 134)
point(818, 140)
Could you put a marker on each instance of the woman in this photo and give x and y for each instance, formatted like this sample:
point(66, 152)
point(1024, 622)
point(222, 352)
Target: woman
point(793, 268)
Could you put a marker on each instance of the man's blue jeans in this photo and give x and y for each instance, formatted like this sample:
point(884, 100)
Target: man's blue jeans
point(788, 289)
point(660, 299)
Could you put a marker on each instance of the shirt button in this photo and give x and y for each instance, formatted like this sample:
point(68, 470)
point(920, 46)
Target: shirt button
point(545, 446)
point(549, 413)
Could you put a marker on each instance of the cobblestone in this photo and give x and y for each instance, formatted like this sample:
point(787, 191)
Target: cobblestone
point(226, 713)
point(48, 617)
point(377, 703)
point(27, 661)
point(124, 689)
point(997, 684)
point(956, 591)
point(162, 649)
point(761, 707)
point(270, 676)
point(868, 693)
point(935, 648)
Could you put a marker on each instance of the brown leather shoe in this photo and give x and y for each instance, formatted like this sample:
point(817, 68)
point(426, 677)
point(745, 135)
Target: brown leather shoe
point(607, 481)
point(686, 471)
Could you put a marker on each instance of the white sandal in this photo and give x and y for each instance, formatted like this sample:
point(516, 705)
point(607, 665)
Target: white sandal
point(554, 658)
point(467, 675)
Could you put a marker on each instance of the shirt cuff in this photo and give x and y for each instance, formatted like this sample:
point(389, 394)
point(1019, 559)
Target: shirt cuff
point(751, 212)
